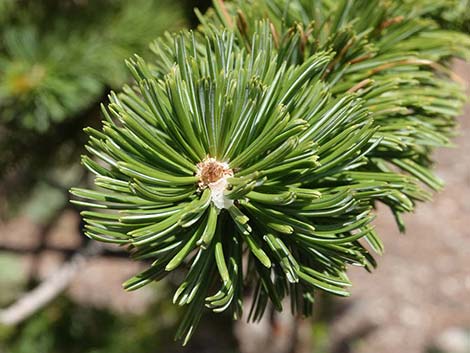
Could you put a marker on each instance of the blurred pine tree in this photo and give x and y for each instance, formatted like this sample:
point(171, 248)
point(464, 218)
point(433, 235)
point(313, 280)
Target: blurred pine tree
point(57, 57)
point(57, 60)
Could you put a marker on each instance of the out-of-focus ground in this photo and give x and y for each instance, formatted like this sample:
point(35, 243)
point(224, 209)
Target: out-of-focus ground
point(420, 290)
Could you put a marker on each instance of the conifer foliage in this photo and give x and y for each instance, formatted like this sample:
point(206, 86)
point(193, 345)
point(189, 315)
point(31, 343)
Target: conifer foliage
point(52, 67)
point(251, 153)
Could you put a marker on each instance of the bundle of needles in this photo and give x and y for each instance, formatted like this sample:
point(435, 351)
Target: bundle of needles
point(252, 152)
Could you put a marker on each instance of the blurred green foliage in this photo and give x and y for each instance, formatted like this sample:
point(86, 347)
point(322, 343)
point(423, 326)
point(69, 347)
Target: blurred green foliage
point(12, 277)
point(56, 57)
point(454, 14)
point(66, 327)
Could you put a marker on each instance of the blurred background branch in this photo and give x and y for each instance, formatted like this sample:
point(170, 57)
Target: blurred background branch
point(49, 289)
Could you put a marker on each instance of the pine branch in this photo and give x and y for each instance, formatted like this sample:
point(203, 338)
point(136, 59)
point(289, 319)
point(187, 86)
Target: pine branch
point(397, 59)
point(252, 152)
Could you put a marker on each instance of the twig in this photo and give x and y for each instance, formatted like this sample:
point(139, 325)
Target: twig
point(68, 252)
point(360, 85)
point(49, 289)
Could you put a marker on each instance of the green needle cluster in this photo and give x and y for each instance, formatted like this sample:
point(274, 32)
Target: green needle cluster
point(251, 153)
